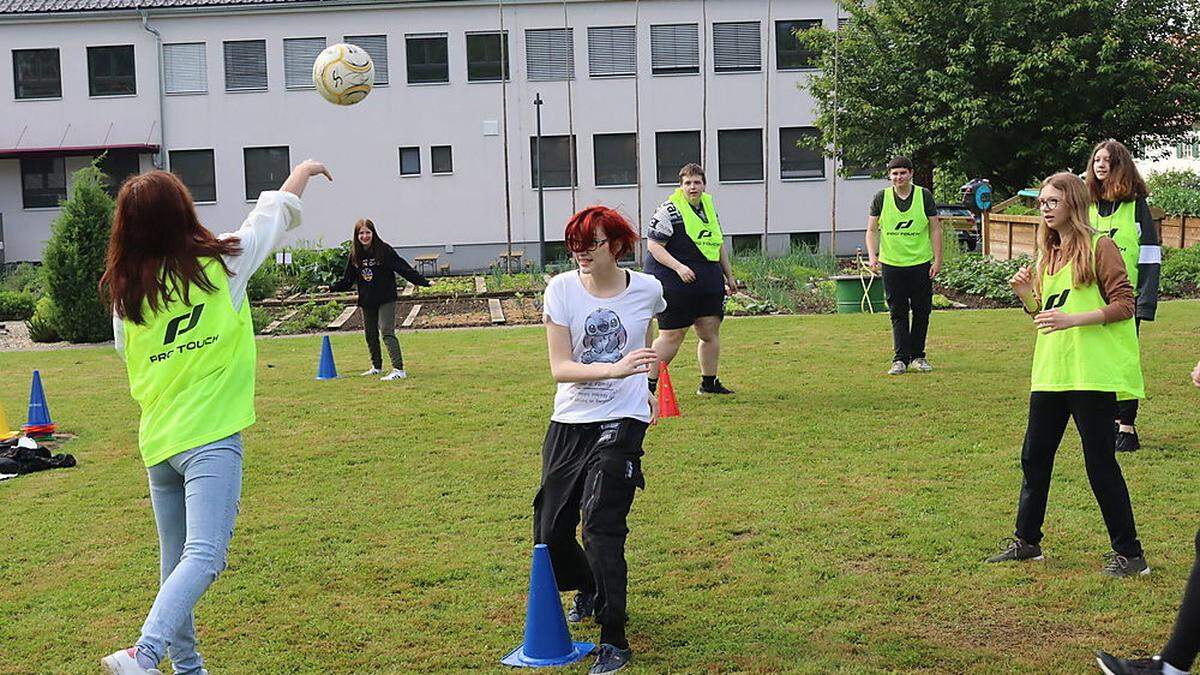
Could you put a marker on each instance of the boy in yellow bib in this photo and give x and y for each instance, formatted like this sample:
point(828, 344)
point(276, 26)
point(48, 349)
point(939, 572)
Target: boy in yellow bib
point(1085, 357)
point(904, 238)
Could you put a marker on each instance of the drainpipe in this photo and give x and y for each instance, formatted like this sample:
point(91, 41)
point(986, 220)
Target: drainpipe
point(163, 161)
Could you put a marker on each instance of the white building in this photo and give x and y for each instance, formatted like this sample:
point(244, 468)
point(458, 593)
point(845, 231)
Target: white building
point(224, 86)
point(1183, 156)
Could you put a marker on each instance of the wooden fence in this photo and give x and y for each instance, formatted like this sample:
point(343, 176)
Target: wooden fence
point(1006, 237)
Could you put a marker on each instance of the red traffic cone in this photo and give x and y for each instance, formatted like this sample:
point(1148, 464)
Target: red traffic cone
point(667, 405)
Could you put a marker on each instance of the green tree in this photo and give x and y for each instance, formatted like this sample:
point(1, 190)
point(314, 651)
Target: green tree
point(1010, 91)
point(74, 259)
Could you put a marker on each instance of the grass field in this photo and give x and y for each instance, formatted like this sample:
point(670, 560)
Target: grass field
point(825, 519)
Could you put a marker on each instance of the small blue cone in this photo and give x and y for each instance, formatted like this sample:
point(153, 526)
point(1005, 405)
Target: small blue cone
point(39, 412)
point(325, 368)
point(547, 640)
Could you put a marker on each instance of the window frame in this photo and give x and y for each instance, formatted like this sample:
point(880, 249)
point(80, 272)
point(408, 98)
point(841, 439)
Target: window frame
point(212, 156)
point(375, 60)
point(246, 172)
point(505, 60)
point(203, 68)
point(675, 171)
point(762, 172)
point(266, 70)
point(675, 71)
point(409, 40)
point(16, 72)
point(433, 170)
point(570, 67)
point(307, 82)
point(779, 45)
point(596, 172)
point(92, 50)
point(573, 157)
point(400, 158)
point(612, 75)
point(25, 191)
point(783, 145)
point(726, 70)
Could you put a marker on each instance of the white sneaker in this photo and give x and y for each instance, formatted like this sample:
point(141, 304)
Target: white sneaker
point(373, 371)
point(394, 375)
point(920, 365)
point(125, 662)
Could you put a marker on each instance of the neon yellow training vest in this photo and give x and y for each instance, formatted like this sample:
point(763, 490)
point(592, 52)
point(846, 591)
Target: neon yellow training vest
point(191, 369)
point(1122, 226)
point(905, 234)
point(707, 236)
point(1102, 357)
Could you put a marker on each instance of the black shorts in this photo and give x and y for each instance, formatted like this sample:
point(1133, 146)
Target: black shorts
point(684, 308)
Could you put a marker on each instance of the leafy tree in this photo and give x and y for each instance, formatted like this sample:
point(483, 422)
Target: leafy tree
point(74, 259)
point(1010, 91)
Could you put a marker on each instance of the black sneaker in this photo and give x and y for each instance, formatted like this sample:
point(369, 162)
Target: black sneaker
point(1127, 442)
point(1017, 549)
point(610, 659)
point(1117, 565)
point(1114, 666)
point(716, 388)
point(583, 607)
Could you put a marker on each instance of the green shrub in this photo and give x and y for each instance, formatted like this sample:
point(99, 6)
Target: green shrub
point(15, 306)
point(311, 316)
point(74, 259)
point(1019, 209)
point(265, 282)
point(24, 278)
point(1180, 275)
point(42, 325)
point(313, 267)
point(1176, 192)
point(982, 276)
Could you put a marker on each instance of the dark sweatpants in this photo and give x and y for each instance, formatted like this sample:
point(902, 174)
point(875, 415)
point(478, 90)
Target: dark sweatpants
point(908, 288)
point(1093, 412)
point(1185, 640)
point(593, 469)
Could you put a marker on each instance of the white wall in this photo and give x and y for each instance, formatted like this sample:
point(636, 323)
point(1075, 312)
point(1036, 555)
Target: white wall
point(360, 143)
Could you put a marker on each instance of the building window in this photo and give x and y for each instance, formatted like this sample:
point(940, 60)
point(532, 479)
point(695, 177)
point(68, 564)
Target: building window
point(36, 73)
point(299, 54)
point(796, 161)
point(616, 159)
point(805, 240)
point(197, 171)
point(111, 71)
point(266, 169)
point(737, 47)
point(43, 181)
point(442, 159)
point(675, 49)
point(854, 170)
point(558, 161)
point(185, 68)
point(118, 165)
point(487, 57)
point(612, 51)
point(246, 65)
point(410, 161)
point(428, 59)
point(550, 54)
point(740, 153)
point(789, 53)
point(376, 47)
point(746, 244)
point(673, 149)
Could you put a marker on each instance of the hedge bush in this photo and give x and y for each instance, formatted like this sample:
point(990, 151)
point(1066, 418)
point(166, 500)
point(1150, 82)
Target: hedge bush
point(16, 306)
point(1180, 275)
point(982, 276)
point(42, 324)
point(74, 259)
point(1176, 192)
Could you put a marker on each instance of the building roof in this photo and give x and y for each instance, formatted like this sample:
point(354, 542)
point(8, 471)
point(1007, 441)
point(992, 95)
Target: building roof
point(67, 6)
point(75, 150)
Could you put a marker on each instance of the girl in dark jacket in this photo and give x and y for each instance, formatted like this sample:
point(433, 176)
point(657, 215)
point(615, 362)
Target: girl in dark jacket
point(373, 266)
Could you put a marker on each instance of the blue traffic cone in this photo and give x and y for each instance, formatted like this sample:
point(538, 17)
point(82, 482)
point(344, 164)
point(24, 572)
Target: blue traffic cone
point(547, 640)
point(39, 412)
point(325, 368)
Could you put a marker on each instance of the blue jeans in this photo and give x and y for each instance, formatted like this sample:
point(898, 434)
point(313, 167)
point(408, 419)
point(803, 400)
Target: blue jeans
point(195, 498)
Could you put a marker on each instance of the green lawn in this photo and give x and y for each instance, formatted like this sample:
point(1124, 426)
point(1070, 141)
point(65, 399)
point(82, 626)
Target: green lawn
point(826, 519)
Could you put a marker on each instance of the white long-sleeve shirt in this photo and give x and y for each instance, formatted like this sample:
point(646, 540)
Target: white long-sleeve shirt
point(275, 213)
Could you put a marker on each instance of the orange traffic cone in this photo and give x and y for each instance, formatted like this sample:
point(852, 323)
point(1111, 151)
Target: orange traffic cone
point(667, 405)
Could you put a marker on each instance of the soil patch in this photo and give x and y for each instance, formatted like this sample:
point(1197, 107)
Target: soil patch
point(521, 311)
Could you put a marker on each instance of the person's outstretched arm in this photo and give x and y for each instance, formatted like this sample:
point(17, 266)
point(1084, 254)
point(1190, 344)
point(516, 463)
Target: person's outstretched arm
point(400, 266)
point(347, 280)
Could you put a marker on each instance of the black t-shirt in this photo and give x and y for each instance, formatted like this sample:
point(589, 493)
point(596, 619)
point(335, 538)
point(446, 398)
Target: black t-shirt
point(375, 277)
point(905, 204)
point(667, 228)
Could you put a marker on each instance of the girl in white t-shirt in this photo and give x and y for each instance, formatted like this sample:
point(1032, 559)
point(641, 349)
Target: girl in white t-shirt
point(598, 322)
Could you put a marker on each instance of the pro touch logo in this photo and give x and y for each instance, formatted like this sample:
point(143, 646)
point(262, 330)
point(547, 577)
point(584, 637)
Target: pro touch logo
point(174, 330)
point(704, 234)
point(904, 224)
point(1057, 300)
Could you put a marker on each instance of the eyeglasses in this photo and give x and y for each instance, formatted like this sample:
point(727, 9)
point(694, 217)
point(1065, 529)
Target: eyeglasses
point(583, 246)
point(1044, 204)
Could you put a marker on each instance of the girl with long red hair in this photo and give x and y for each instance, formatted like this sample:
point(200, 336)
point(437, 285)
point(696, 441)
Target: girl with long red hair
point(183, 326)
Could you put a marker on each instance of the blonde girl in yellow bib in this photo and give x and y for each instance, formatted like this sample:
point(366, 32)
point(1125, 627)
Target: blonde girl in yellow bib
point(1086, 355)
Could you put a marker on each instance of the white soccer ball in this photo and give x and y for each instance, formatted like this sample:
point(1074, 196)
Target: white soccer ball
point(343, 74)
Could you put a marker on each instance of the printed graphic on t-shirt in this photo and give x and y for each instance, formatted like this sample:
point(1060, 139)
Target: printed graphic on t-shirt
point(367, 269)
point(604, 337)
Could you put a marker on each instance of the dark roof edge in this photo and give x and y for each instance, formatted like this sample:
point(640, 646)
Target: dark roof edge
point(245, 8)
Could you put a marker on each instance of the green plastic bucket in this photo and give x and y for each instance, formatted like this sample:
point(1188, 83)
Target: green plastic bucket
point(850, 294)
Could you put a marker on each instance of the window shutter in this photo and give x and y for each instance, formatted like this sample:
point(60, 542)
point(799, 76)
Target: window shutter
point(298, 57)
point(612, 50)
point(246, 65)
point(376, 46)
point(737, 46)
point(550, 53)
point(185, 68)
point(675, 48)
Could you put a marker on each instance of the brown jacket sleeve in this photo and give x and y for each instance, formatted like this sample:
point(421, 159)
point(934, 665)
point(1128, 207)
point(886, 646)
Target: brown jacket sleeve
point(1113, 281)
